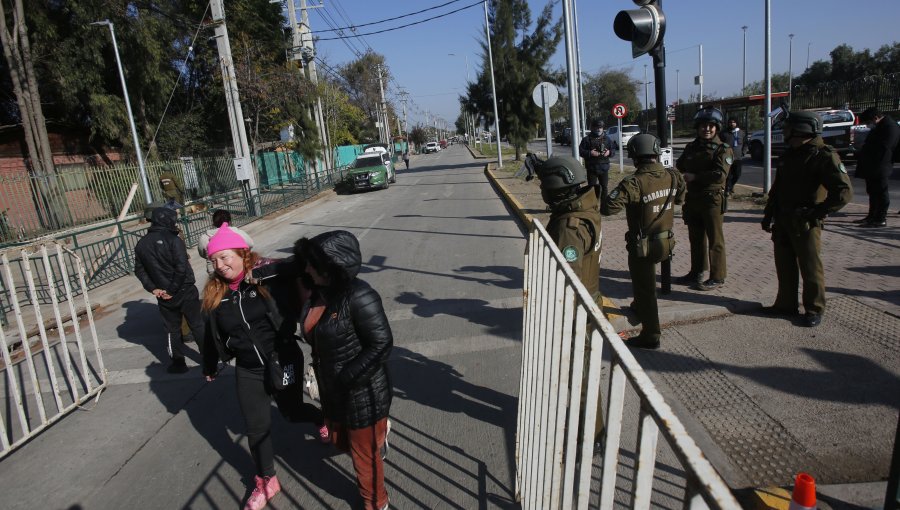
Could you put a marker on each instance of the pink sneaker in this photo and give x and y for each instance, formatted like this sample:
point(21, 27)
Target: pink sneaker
point(266, 489)
point(324, 434)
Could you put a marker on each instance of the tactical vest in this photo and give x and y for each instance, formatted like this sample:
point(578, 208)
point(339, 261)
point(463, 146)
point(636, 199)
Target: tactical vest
point(800, 174)
point(653, 216)
point(700, 157)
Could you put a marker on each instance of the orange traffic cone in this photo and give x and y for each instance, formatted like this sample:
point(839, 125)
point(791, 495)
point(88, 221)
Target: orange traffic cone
point(804, 497)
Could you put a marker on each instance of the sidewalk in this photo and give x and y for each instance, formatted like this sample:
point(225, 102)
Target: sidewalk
point(766, 398)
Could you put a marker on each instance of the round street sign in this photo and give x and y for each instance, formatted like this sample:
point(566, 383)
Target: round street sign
point(552, 94)
point(619, 110)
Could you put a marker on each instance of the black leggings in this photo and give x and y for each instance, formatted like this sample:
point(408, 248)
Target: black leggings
point(256, 406)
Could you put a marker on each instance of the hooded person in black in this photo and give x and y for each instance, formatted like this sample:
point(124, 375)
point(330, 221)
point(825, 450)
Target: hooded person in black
point(161, 264)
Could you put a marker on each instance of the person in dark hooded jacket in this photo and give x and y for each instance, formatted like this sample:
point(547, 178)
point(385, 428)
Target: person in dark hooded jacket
point(345, 323)
point(161, 264)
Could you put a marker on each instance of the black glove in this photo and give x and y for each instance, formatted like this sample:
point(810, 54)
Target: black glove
point(766, 224)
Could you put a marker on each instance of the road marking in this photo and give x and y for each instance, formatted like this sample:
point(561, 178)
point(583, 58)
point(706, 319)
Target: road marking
point(366, 231)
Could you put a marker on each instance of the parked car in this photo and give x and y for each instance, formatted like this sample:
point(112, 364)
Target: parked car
point(628, 131)
point(371, 171)
point(443, 144)
point(837, 131)
point(382, 148)
point(432, 147)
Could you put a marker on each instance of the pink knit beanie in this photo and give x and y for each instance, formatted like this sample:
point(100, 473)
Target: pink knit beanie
point(225, 239)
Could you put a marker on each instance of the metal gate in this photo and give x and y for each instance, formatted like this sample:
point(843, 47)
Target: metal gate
point(564, 339)
point(51, 360)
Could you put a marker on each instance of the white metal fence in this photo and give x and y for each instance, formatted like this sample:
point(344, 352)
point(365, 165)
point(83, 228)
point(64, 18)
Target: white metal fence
point(48, 367)
point(555, 468)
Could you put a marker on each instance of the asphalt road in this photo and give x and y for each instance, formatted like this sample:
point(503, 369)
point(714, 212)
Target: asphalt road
point(446, 256)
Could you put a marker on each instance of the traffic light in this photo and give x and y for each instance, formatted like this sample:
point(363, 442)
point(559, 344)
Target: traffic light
point(644, 27)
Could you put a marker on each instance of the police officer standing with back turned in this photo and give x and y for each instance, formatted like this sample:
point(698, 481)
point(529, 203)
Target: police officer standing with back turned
point(810, 183)
point(705, 163)
point(575, 227)
point(648, 197)
point(574, 218)
point(596, 148)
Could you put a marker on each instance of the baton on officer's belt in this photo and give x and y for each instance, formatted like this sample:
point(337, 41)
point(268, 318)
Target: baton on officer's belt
point(665, 277)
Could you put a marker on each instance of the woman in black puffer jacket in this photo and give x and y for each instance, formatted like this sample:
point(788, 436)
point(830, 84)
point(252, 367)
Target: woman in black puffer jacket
point(351, 338)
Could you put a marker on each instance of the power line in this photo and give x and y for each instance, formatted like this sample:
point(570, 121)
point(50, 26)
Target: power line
point(479, 2)
point(353, 28)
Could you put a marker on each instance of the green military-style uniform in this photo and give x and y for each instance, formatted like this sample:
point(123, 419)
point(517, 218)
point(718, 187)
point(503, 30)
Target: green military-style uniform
point(704, 206)
point(649, 211)
point(575, 226)
point(810, 183)
point(171, 190)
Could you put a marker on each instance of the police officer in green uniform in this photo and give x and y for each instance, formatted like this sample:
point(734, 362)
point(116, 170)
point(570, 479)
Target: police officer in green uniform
point(810, 183)
point(648, 197)
point(575, 227)
point(170, 187)
point(705, 163)
point(574, 218)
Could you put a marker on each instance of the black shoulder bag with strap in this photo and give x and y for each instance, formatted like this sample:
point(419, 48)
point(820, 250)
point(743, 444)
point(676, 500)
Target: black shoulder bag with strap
point(640, 244)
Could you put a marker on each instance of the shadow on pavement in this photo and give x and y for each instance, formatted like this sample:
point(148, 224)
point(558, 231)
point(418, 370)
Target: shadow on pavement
point(510, 277)
point(412, 231)
point(142, 325)
point(477, 311)
point(504, 217)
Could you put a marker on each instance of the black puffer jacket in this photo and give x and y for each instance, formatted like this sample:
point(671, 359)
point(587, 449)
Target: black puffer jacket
point(352, 340)
point(160, 257)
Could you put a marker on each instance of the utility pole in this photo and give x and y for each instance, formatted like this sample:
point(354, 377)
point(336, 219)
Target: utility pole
point(571, 68)
point(790, 69)
point(767, 156)
point(387, 125)
point(582, 112)
point(308, 51)
point(487, 30)
point(744, 79)
point(244, 167)
point(646, 101)
point(404, 97)
point(700, 77)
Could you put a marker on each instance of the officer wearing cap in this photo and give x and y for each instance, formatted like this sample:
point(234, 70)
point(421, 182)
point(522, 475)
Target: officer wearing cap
point(810, 183)
point(705, 163)
point(574, 218)
point(648, 197)
point(596, 148)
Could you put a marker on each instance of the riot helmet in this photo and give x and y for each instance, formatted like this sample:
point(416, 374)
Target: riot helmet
point(709, 116)
point(643, 145)
point(805, 124)
point(560, 177)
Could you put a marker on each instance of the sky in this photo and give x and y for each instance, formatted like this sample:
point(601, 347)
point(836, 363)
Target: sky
point(418, 55)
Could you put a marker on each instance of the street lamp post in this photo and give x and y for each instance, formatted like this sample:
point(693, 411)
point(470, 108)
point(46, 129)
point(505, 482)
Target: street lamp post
point(487, 30)
point(744, 78)
point(677, 86)
point(137, 143)
point(807, 54)
point(790, 69)
point(646, 101)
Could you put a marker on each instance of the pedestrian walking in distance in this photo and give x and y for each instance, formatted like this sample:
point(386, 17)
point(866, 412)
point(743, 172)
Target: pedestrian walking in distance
point(810, 183)
point(705, 163)
point(161, 264)
point(406, 159)
point(648, 197)
point(244, 323)
point(876, 163)
point(735, 138)
point(596, 148)
point(346, 324)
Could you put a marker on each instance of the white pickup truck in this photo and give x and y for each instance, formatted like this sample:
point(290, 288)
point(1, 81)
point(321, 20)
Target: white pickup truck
point(836, 131)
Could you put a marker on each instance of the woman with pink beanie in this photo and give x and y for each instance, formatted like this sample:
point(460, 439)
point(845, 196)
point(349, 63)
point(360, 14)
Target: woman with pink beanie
point(245, 323)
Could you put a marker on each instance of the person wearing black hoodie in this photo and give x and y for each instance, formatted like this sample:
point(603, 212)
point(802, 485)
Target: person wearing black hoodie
point(346, 324)
point(161, 264)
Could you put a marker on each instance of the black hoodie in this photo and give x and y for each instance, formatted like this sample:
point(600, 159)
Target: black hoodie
point(160, 257)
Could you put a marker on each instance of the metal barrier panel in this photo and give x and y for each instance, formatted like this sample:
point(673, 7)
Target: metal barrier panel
point(565, 337)
point(48, 368)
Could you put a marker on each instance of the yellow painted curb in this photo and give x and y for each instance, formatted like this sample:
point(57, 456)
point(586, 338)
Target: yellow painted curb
point(771, 498)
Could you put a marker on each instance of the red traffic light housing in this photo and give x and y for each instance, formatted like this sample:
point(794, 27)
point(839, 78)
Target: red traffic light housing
point(644, 27)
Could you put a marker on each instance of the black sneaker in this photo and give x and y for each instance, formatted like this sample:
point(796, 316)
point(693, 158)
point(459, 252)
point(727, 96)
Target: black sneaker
point(688, 279)
point(643, 342)
point(178, 366)
point(710, 284)
point(811, 320)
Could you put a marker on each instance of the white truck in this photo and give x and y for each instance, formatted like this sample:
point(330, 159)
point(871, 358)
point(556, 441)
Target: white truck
point(837, 131)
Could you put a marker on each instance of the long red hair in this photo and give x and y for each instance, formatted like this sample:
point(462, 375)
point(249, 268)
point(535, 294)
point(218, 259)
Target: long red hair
point(216, 286)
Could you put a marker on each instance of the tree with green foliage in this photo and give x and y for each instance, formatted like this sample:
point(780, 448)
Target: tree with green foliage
point(418, 135)
point(606, 88)
point(521, 55)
